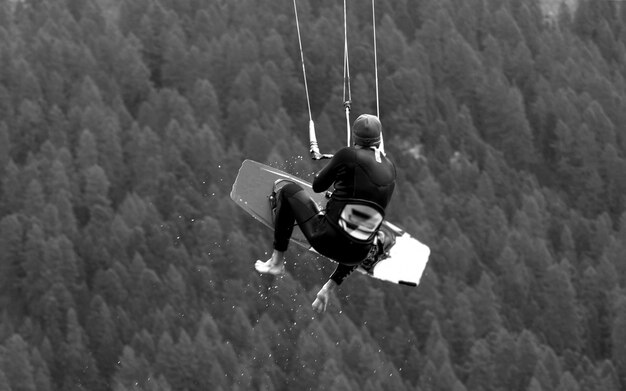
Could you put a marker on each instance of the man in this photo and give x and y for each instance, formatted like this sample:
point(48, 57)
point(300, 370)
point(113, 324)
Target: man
point(346, 232)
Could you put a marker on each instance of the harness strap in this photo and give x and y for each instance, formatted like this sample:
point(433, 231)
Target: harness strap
point(360, 219)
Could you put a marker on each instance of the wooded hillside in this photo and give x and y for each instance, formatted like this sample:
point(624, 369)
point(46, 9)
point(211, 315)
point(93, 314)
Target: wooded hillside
point(124, 265)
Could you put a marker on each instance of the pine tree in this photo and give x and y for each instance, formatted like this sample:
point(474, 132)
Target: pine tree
point(30, 129)
point(12, 189)
point(34, 199)
point(548, 371)
point(16, 365)
point(37, 279)
point(102, 334)
point(505, 360)
point(618, 338)
point(204, 356)
point(527, 355)
point(240, 332)
point(204, 101)
point(485, 307)
point(96, 188)
point(447, 380)
point(42, 379)
point(561, 322)
point(229, 363)
point(145, 161)
point(185, 374)
point(481, 371)
point(502, 120)
point(175, 60)
point(87, 154)
point(5, 143)
point(105, 128)
point(568, 382)
point(534, 385)
point(133, 371)
point(513, 287)
point(166, 360)
point(11, 266)
point(437, 347)
point(462, 328)
point(257, 145)
point(174, 282)
point(312, 351)
point(596, 119)
point(331, 377)
point(375, 314)
point(75, 366)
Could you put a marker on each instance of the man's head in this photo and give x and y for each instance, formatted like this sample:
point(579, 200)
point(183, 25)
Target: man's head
point(366, 130)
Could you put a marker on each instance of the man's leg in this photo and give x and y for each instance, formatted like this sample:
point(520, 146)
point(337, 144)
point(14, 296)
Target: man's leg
point(292, 205)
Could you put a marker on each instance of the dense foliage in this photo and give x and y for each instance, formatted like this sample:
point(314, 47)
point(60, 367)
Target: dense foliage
point(125, 266)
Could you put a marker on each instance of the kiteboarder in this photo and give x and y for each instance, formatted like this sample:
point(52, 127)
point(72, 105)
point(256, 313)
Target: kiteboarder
point(347, 231)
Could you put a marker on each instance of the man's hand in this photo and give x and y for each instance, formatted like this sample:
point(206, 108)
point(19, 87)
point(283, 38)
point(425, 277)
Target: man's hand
point(316, 155)
point(323, 296)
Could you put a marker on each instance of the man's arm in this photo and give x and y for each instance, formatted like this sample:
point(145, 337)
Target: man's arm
point(323, 296)
point(341, 273)
point(338, 276)
point(327, 175)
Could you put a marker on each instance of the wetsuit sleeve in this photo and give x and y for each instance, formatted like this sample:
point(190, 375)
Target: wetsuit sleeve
point(327, 175)
point(341, 272)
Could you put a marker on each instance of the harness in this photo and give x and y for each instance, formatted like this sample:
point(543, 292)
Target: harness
point(360, 219)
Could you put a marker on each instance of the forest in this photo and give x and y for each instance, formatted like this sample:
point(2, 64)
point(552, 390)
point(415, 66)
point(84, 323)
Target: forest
point(124, 264)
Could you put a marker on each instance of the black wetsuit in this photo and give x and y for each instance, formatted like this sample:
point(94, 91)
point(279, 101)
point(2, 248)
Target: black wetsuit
point(356, 175)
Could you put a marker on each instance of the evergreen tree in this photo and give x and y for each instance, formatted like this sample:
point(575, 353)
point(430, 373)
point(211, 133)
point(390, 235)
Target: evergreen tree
point(375, 314)
point(447, 380)
point(485, 307)
point(5, 143)
point(175, 60)
point(618, 337)
point(505, 361)
point(38, 276)
point(560, 323)
point(103, 338)
point(12, 189)
point(16, 365)
point(166, 358)
point(548, 370)
point(185, 374)
point(312, 351)
point(205, 102)
point(568, 383)
point(132, 372)
point(75, 366)
point(129, 71)
point(34, 200)
point(41, 373)
point(257, 144)
point(239, 332)
point(331, 378)
point(503, 122)
point(29, 131)
point(96, 188)
point(106, 131)
point(527, 355)
point(87, 150)
point(481, 371)
point(11, 266)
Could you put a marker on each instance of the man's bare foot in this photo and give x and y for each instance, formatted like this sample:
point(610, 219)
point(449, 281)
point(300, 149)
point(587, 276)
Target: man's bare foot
point(275, 265)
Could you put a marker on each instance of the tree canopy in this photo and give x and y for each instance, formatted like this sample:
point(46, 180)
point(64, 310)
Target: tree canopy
point(124, 265)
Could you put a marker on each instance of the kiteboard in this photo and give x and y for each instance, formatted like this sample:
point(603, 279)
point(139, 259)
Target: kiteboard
point(403, 262)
